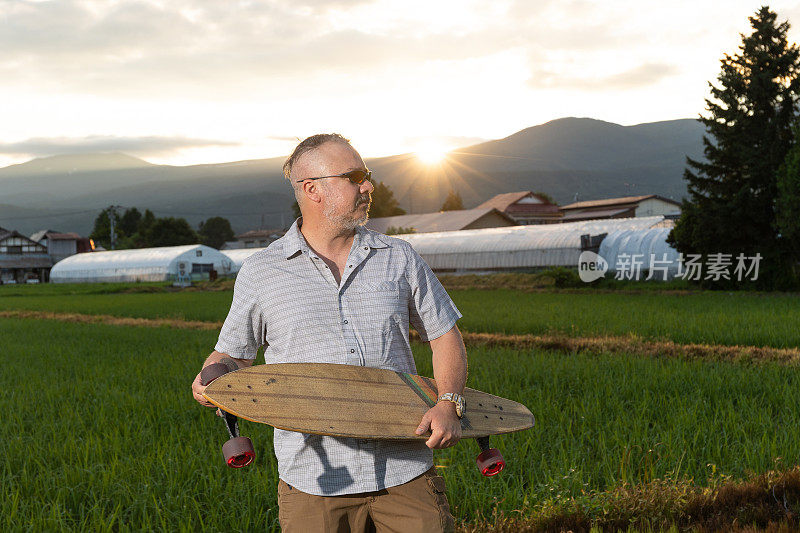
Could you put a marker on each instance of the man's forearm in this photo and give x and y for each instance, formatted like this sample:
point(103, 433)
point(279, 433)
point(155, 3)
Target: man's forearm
point(216, 357)
point(449, 362)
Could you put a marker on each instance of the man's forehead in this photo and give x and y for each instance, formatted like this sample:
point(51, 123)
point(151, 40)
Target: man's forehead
point(330, 157)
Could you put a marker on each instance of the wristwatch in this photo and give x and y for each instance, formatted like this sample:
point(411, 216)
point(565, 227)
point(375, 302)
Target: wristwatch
point(461, 405)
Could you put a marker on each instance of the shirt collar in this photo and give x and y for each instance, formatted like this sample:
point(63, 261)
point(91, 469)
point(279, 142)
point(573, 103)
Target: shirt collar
point(294, 243)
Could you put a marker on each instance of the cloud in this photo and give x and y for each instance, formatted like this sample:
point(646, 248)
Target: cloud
point(142, 146)
point(640, 76)
point(205, 48)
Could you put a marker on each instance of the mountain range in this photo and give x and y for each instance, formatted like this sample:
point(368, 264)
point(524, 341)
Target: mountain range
point(568, 158)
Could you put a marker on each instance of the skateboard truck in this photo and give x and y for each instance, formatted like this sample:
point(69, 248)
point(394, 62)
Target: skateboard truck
point(490, 461)
point(238, 451)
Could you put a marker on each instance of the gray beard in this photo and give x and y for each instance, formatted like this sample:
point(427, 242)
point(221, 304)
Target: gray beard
point(345, 222)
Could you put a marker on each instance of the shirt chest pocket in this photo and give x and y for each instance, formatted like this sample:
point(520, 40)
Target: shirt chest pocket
point(374, 304)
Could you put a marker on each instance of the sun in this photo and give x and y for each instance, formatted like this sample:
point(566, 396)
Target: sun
point(431, 152)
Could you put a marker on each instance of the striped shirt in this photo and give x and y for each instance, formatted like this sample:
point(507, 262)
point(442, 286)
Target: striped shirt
point(287, 299)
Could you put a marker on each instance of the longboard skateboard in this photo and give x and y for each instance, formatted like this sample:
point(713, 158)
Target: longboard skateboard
point(349, 401)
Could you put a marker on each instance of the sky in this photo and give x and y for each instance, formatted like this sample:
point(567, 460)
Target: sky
point(188, 81)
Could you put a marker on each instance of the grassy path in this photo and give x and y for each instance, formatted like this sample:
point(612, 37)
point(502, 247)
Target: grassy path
point(745, 319)
point(630, 345)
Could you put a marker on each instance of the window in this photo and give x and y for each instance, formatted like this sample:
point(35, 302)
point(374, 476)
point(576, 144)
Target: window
point(199, 253)
point(14, 249)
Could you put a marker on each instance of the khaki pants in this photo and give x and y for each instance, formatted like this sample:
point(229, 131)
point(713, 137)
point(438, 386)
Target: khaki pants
point(419, 506)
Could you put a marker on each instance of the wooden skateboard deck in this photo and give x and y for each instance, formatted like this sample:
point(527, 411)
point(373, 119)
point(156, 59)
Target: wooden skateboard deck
point(353, 401)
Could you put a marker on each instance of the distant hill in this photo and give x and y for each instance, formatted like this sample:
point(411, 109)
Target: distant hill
point(564, 158)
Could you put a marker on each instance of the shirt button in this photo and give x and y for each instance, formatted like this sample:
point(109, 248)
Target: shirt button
point(366, 247)
point(349, 266)
point(345, 321)
point(352, 351)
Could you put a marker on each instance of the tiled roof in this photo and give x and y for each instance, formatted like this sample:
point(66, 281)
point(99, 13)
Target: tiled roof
point(441, 221)
point(581, 214)
point(501, 202)
point(616, 201)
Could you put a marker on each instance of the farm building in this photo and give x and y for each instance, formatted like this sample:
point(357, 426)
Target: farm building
point(626, 248)
point(238, 256)
point(145, 264)
point(629, 206)
point(257, 238)
point(525, 207)
point(519, 247)
point(21, 259)
point(444, 221)
point(62, 245)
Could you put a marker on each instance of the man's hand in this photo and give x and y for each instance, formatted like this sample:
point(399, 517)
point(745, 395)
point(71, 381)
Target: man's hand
point(215, 357)
point(197, 392)
point(444, 424)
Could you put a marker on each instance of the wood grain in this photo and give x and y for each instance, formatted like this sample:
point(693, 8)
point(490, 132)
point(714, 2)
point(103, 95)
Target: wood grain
point(353, 401)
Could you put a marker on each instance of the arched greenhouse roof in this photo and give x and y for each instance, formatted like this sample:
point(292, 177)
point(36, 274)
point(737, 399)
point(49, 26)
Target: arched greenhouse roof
point(649, 246)
point(538, 245)
point(143, 264)
point(238, 255)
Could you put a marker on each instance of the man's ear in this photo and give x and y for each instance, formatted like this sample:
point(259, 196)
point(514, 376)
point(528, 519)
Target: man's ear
point(311, 190)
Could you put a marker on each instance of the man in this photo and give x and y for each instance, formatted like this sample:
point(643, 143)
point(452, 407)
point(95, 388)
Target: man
point(332, 291)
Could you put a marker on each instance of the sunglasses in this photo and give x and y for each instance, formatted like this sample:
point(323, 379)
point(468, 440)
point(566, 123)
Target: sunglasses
point(357, 176)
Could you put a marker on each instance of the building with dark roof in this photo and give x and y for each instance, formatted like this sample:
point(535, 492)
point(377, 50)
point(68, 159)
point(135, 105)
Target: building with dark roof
point(62, 245)
point(477, 218)
point(525, 207)
point(22, 260)
point(257, 238)
point(626, 207)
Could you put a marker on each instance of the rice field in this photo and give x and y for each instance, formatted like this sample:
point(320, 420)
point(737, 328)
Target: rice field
point(100, 431)
point(752, 319)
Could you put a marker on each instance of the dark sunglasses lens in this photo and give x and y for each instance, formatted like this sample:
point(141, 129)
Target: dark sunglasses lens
point(358, 176)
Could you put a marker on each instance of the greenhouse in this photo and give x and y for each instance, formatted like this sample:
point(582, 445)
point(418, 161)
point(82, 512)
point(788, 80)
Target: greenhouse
point(238, 255)
point(190, 262)
point(632, 251)
point(519, 247)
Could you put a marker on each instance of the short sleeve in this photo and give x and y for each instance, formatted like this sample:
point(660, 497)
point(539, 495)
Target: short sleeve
point(431, 311)
point(244, 329)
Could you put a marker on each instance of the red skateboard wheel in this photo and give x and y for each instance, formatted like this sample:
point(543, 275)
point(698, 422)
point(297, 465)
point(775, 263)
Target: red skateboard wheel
point(238, 452)
point(213, 371)
point(490, 462)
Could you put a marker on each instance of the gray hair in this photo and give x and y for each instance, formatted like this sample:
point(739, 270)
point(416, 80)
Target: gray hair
point(308, 144)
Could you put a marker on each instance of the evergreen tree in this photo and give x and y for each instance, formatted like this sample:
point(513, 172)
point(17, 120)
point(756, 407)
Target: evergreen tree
point(147, 220)
point(732, 194)
point(129, 223)
point(170, 231)
point(787, 206)
point(453, 202)
point(384, 204)
point(215, 232)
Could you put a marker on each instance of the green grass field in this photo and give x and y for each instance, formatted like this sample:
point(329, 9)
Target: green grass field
point(754, 319)
point(100, 431)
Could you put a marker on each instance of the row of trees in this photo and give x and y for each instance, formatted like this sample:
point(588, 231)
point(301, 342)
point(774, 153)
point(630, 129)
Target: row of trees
point(136, 230)
point(744, 197)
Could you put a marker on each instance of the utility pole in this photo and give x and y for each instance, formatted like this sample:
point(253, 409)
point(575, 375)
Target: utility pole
point(112, 215)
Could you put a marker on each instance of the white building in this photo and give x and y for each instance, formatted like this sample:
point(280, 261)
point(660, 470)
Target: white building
point(144, 264)
point(238, 256)
point(519, 247)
